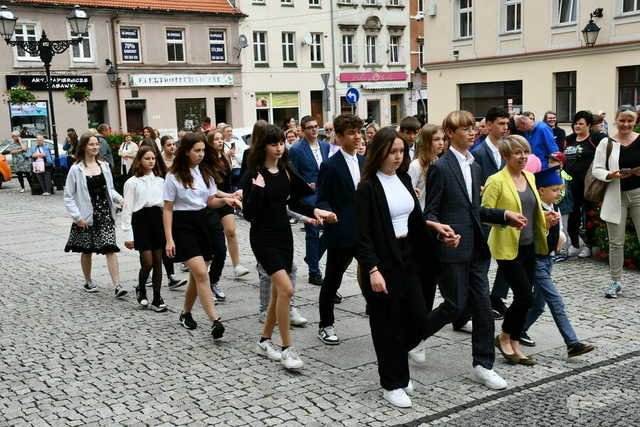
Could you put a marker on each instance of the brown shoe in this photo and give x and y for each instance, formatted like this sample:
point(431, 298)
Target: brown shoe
point(526, 361)
point(511, 358)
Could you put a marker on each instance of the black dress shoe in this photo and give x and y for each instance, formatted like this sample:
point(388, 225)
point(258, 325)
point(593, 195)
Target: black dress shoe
point(337, 299)
point(498, 305)
point(316, 279)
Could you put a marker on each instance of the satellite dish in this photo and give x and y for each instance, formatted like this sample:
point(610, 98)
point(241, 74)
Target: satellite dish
point(243, 41)
point(308, 39)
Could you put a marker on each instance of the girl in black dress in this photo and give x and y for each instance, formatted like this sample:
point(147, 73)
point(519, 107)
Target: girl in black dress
point(269, 186)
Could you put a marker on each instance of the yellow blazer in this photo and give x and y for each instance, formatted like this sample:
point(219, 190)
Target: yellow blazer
point(500, 192)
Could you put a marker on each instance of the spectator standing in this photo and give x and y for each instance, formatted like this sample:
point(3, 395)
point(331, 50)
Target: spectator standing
point(539, 136)
point(205, 127)
point(234, 149)
point(42, 162)
point(70, 143)
point(168, 150)
point(409, 127)
point(104, 130)
point(127, 152)
point(559, 135)
point(290, 137)
point(20, 160)
point(605, 123)
point(370, 131)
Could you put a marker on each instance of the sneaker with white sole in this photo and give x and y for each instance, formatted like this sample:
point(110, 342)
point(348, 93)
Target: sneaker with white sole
point(573, 251)
point(141, 297)
point(613, 290)
point(175, 283)
point(295, 318)
point(186, 320)
point(290, 359)
point(183, 267)
point(120, 291)
point(397, 397)
point(218, 293)
point(90, 286)
point(585, 252)
point(467, 327)
point(409, 388)
point(328, 335)
point(488, 377)
point(239, 271)
point(418, 355)
point(266, 348)
point(158, 305)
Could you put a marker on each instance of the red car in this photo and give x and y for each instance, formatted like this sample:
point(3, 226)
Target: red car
point(5, 170)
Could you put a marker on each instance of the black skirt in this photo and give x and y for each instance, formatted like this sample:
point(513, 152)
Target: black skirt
point(148, 232)
point(192, 235)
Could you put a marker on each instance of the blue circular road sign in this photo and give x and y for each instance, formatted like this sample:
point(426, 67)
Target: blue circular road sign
point(352, 95)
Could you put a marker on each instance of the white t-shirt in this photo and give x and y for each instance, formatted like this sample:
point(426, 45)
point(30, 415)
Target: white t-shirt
point(399, 200)
point(188, 199)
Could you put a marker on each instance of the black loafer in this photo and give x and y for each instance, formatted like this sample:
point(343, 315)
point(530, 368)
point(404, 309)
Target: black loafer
point(316, 279)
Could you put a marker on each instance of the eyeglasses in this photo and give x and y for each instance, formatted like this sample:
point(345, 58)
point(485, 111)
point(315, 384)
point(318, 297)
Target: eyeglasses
point(311, 127)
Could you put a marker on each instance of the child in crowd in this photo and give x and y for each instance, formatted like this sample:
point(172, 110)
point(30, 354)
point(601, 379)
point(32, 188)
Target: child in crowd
point(565, 202)
point(549, 184)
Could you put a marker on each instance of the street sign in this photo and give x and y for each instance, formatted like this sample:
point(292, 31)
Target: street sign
point(325, 79)
point(352, 95)
point(326, 99)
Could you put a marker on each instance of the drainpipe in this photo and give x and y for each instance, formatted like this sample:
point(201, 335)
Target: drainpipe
point(333, 60)
point(112, 22)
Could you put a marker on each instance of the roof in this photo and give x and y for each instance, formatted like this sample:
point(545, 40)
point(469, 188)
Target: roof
point(201, 6)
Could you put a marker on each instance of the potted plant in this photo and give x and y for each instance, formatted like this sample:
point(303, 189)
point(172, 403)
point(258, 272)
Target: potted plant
point(20, 95)
point(77, 94)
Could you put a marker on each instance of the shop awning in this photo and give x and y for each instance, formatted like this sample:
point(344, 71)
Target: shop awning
point(384, 85)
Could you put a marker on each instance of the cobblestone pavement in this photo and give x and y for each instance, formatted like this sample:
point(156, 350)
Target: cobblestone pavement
point(72, 358)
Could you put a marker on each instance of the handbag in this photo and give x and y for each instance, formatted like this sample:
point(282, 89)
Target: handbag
point(38, 166)
point(594, 189)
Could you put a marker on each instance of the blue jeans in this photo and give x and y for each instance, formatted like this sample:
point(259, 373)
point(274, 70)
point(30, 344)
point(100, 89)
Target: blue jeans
point(315, 248)
point(545, 292)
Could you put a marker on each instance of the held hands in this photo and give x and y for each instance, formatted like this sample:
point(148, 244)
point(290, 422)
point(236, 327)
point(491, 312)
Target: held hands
point(82, 224)
point(237, 195)
point(171, 249)
point(516, 220)
point(233, 202)
point(377, 281)
point(128, 245)
point(312, 221)
point(258, 181)
point(323, 216)
point(552, 218)
point(448, 235)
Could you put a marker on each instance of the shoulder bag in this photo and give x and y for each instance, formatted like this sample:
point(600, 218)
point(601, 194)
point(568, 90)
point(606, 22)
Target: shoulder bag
point(594, 189)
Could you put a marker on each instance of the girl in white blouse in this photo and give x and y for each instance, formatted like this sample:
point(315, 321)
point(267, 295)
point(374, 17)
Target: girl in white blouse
point(127, 153)
point(142, 223)
point(189, 189)
point(430, 147)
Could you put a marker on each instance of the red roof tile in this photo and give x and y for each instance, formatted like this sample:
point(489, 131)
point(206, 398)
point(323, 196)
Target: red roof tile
point(205, 6)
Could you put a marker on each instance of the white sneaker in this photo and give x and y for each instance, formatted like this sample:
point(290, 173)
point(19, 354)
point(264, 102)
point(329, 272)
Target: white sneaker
point(409, 388)
point(183, 267)
point(467, 327)
point(573, 251)
point(328, 335)
point(295, 318)
point(397, 397)
point(585, 252)
point(291, 359)
point(239, 271)
point(46, 194)
point(22, 190)
point(418, 354)
point(488, 377)
point(266, 348)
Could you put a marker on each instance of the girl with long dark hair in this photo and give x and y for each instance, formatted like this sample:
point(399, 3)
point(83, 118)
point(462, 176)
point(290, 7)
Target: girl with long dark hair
point(269, 186)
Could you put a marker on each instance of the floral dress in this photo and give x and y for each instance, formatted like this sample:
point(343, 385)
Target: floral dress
point(99, 238)
point(20, 162)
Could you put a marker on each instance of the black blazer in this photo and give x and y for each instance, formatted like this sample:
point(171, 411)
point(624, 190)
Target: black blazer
point(336, 193)
point(376, 240)
point(447, 202)
point(484, 159)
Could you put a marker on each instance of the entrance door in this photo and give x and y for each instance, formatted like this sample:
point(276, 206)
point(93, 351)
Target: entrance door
point(396, 109)
point(190, 113)
point(135, 115)
point(222, 110)
point(316, 106)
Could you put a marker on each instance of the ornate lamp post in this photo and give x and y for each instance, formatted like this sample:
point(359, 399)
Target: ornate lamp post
point(47, 49)
point(591, 30)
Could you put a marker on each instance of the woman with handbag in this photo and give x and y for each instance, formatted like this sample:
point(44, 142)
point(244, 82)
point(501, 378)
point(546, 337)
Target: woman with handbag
point(42, 163)
point(20, 163)
point(579, 151)
point(621, 169)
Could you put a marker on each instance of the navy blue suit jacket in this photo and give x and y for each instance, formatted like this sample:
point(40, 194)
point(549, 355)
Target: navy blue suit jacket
point(305, 164)
point(337, 193)
point(484, 158)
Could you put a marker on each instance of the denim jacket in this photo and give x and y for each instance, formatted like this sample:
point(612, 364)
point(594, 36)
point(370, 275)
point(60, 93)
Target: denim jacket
point(76, 193)
point(45, 149)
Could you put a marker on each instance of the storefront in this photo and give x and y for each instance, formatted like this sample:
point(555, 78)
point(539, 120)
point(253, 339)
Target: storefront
point(277, 107)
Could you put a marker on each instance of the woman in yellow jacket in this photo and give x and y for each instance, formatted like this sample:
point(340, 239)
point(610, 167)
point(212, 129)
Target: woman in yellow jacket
point(514, 189)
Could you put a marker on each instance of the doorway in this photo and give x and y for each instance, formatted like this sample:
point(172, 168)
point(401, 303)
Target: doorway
point(97, 113)
point(373, 111)
point(316, 106)
point(190, 113)
point(135, 114)
point(222, 107)
point(395, 111)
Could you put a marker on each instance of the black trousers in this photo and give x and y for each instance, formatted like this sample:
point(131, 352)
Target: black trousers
point(219, 246)
point(576, 217)
point(520, 274)
point(21, 176)
point(397, 322)
point(338, 260)
point(465, 291)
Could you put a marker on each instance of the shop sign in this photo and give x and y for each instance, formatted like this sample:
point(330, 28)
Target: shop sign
point(174, 80)
point(58, 82)
point(130, 44)
point(29, 110)
point(217, 52)
point(373, 77)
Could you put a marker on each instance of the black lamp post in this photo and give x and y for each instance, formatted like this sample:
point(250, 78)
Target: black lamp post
point(112, 73)
point(47, 49)
point(591, 30)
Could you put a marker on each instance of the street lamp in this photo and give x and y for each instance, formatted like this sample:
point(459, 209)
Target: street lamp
point(591, 30)
point(112, 73)
point(418, 74)
point(47, 49)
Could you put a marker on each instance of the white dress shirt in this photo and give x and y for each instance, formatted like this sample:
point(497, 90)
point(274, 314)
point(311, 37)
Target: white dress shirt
point(188, 199)
point(494, 151)
point(317, 154)
point(399, 200)
point(140, 192)
point(333, 149)
point(129, 149)
point(465, 161)
point(354, 166)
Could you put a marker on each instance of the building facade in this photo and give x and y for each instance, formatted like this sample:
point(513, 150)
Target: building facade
point(175, 66)
point(419, 81)
point(285, 47)
point(531, 55)
point(372, 45)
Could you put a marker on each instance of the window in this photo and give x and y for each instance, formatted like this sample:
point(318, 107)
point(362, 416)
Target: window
point(189, 112)
point(175, 45)
point(513, 15)
point(394, 2)
point(370, 2)
point(130, 44)
point(630, 6)
point(24, 32)
point(421, 53)
point(314, 3)
point(565, 96)
point(217, 46)
point(316, 48)
point(567, 11)
point(629, 85)
point(259, 47)
point(286, 2)
point(371, 49)
point(421, 6)
point(479, 97)
point(276, 107)
point(347, 49)
point(394, 49)
point(465, 18)
point(288, 47)
point(82, 52)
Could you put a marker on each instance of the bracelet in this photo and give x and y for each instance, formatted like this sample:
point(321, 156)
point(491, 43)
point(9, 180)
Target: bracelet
point(373, 271)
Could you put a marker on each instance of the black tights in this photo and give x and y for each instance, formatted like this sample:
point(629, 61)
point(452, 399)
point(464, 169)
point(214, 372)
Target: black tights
point(151, 260)
point(21, 177)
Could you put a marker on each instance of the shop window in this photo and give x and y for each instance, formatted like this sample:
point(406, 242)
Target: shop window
point(259, 47)
point(190, 112)
point(512, 15)
point(565, 96)
point(217, 46)
point(348, 53)
point(566, 11)
point(30, 119)
point(135, 110)
point(479, 97)
point(276, 107)
point(396, 109)
point(464, 21)
point(288, 48)
point(373, 111)
point(97, 113)
point(130, 44)
point(175, 45)
point(24, 32)
point(629, 86)
point(345, 107)
point(316, 48)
